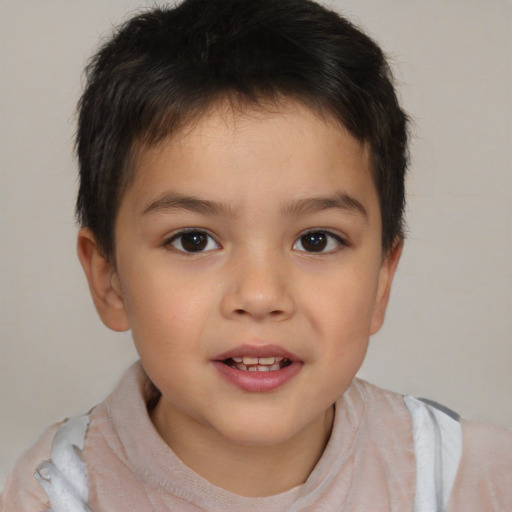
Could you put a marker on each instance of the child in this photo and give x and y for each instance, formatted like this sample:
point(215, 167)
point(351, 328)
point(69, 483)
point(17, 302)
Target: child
point(241, 199)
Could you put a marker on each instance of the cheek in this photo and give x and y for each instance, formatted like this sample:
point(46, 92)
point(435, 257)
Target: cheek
point(166, 314)
point(344, 308)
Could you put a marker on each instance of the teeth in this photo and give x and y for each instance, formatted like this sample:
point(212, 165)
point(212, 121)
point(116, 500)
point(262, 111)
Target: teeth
point(257, 360)
point(257, 364)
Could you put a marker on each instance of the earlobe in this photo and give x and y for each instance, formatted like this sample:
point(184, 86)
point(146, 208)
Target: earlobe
point(387, 272)
point(103, 282)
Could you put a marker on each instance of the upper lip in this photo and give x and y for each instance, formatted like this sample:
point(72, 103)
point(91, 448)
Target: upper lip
point(256, 351)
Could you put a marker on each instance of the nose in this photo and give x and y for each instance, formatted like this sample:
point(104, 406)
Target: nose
point(259, 288)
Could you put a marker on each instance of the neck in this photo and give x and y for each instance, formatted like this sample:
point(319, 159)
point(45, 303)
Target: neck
point(252, 471)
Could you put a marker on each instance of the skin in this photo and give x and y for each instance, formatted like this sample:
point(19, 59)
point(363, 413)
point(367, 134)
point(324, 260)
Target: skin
point(258, 175)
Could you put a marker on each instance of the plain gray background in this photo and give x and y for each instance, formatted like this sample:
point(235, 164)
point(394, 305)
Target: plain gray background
point(447, 334)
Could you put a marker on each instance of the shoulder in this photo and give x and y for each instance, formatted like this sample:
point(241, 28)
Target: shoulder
point(487, 444)
point(484, 480)
point(384, 417)
point(379, 401)
point(484, 477)
point(385, 421)
point(22, 491)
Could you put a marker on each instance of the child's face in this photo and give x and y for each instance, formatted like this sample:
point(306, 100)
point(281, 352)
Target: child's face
point(255, 235)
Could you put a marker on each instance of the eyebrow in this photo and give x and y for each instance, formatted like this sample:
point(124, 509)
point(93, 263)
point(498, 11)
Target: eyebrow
point(174, 201)
point(339, 201)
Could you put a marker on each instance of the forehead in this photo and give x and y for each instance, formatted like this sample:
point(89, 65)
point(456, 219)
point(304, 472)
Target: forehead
point(284, 149)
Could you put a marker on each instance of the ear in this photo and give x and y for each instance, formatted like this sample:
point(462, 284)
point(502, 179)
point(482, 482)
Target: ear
point(386, 274)
point(103, 282)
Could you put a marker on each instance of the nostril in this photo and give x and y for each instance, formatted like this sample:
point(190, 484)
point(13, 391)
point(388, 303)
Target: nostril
point(275, 312)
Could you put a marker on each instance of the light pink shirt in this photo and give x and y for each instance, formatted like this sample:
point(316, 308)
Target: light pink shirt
point(368, 464)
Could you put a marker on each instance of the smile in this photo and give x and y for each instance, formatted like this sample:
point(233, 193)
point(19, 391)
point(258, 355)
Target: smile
point(258, 364)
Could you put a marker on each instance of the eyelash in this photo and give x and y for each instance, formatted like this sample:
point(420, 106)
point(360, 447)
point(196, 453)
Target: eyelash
point(326, 241)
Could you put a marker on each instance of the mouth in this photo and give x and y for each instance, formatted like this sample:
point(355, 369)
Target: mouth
point(258, 368)
point(257, 364)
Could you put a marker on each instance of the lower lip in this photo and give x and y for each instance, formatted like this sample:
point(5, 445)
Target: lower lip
point(258, 382)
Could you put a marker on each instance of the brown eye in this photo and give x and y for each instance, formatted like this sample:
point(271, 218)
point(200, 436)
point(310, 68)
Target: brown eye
point(318, 241)
point(193, 241)
point(314, 242)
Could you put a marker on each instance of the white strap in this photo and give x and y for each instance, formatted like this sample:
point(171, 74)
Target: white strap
point(437, 435)
point(64, 477)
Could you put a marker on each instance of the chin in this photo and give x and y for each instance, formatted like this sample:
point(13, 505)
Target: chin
point(258, 438)
point(259, 431)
